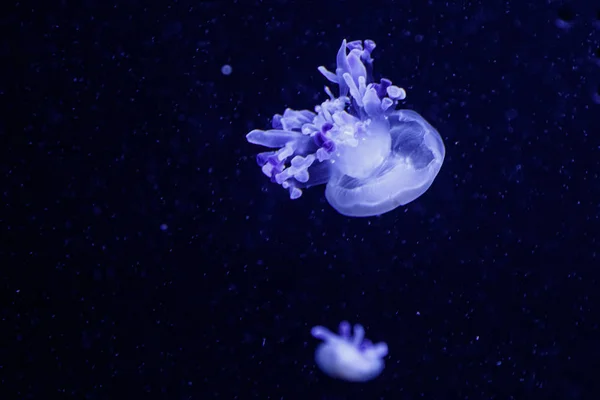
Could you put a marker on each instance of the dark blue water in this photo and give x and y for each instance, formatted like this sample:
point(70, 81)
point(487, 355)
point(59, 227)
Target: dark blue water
point(144, 255)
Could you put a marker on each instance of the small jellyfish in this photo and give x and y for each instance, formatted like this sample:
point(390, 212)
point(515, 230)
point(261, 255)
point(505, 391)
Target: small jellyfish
point(372, 157)
point(226, 69)
point(351, 358)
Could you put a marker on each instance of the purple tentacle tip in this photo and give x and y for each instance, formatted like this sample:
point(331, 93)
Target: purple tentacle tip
point(262, 159)
point(276, 123)
point(329, 146)
point(327, 126)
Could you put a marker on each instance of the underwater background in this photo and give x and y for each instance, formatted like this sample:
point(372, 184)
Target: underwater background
point(145, 255)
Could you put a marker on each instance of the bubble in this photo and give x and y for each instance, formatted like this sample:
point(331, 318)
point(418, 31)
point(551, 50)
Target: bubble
point(511, 114)
point(226, 69)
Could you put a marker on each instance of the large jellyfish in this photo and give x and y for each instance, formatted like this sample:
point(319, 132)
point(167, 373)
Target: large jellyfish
point(372, 157)
point(351, 358)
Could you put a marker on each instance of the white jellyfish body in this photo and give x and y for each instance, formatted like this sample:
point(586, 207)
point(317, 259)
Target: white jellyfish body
point(415, 158)
point(372, 157)
point(346, 357)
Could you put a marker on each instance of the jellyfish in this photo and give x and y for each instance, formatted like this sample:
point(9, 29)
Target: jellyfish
point(372, 157)
point(351, 358)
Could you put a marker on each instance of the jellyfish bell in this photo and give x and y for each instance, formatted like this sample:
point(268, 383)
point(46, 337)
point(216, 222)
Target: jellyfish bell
point(371, 157)
point(349, 357)
point(413, 161)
